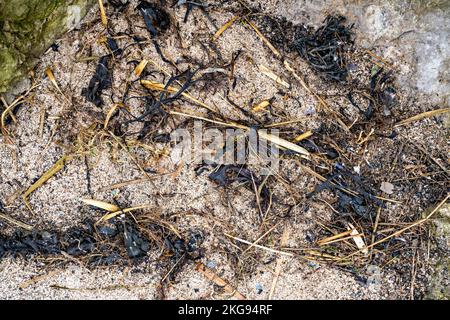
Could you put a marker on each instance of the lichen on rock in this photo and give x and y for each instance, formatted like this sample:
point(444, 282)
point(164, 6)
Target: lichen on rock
point(28, 28)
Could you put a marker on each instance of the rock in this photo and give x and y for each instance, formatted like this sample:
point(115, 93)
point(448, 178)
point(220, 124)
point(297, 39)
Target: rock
point(447, 120)
point(259, 288)
point(442, 228)
point(387, 187)
point(414, 35)
point(373, 276)
point(28, 28)
point(376, 21)
point(439, 284)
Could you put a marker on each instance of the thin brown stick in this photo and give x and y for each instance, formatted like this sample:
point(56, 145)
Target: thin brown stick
point(423, 115)
point(16, 222)
point(259, 246)
point(284, 239)
point(210, 275)
point(260, 238)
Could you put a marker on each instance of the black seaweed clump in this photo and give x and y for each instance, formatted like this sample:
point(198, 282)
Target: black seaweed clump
point(154, 115)
point(135, 244)
point(191, 248)
point(226, 174)
point(21, 243)
point(355, 195)
point(324, 48)
point(101, 242)
point(100, 80)
point(181, 251)
point(119, 5)
point(156, 19)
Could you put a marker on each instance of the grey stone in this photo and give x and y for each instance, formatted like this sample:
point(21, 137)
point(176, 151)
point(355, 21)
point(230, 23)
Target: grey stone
point(439, 284)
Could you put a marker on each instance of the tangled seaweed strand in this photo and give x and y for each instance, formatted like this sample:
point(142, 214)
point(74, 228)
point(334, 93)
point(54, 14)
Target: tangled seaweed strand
point(156, 20)
point(361, 203)
point(382, 93)
point(154, 114)
point(324, 48)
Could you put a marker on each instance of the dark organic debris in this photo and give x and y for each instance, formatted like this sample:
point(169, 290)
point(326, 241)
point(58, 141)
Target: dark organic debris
point(108, 231)
point(100, 80)
point(178, 247)
point(21, 243)
point(182, 251)
point(319, 147)
point(227, 174)
point(135, 244)
point(324, 48)
point(382, 94)
point(104, 244)
point(156, 19)
point(154, 116)
point(112, 45)
point(189, 6)
point(55, 47)
point(14, 112)
point(278, 30)
point(382, 90)
point(355, 195)
point(78, 242)
point(119, 5)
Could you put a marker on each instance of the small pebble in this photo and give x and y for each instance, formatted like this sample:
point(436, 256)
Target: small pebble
point(387, 187)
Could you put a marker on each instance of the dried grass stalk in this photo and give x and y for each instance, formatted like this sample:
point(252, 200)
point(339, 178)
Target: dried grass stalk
point(210, 275)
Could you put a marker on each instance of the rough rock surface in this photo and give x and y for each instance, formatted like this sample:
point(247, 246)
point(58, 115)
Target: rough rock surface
point(28, 28)
point(413, 32)
point(439, 285)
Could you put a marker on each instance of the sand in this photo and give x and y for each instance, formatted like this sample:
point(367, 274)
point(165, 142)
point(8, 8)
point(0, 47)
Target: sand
point(48, 124)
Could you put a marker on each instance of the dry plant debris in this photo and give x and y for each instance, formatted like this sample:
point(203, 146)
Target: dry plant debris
point(138, 102)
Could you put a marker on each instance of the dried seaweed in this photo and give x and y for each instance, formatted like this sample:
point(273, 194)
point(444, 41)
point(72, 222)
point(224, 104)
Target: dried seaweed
point(324, 48)
point(225, 175)
point(112, 45)
point(77, 241)
point(190, 5)
point(55, 47)
point(154, 115)
point(355, 195)
point(27, 243)
point(178, 247)
point(135, 244)
point(317, 147)
point(156, 19)
point(119, 5)
point(279, 31)
point(182, 251)
point(382, 94)
point(100, 80)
